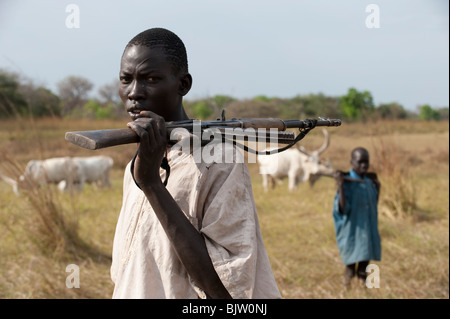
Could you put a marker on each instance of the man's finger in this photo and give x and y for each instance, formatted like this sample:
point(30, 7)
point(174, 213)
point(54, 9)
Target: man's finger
point(148, 114)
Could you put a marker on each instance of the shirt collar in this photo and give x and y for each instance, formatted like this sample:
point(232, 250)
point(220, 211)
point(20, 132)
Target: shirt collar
point(353, 174)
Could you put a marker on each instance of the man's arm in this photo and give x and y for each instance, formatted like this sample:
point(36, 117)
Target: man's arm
point(188, 243)
point(339, 176)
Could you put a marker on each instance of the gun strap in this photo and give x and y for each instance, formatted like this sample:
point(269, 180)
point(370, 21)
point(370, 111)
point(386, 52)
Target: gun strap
point(302, 133)
point(164, 164)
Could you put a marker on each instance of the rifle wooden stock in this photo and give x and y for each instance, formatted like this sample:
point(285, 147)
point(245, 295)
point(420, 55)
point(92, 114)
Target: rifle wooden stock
point(93, 140)
point(106, 138)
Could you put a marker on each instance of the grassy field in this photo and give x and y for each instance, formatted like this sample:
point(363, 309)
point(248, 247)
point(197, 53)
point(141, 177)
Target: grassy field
point(42, 232)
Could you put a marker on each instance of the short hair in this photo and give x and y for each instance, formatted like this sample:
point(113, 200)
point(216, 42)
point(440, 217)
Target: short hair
point(168, 41)
point(359, 150)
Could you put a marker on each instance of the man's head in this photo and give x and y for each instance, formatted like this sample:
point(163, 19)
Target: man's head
point(360, 161)
point(154, 74)
point(168, 41)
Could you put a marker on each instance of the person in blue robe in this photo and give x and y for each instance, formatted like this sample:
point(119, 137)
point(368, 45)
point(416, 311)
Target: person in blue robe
point(355, 214)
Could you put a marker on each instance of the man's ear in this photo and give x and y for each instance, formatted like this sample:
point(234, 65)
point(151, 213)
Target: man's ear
point(185, 84)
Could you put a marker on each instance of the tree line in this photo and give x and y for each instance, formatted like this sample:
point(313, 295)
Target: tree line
point(20, 96)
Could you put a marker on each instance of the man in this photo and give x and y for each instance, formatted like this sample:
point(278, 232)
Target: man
point(198, 235)
point(355, 213)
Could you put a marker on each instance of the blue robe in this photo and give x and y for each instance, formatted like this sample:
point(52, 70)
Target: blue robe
point(357, 226)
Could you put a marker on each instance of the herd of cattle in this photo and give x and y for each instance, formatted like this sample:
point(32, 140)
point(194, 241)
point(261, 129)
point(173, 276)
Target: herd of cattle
point(71, 173)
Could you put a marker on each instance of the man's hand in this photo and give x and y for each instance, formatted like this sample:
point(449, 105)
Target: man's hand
point(151, 130)
point(339, 177)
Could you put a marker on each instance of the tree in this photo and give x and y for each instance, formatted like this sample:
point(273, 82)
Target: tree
point(262, 98)
point(42, 102)
point(427, 113)
point(201, 110)
point(357, 105)
point(320, 105)
point(95, 110)
point(110, 99)
point(443, 113)
point(252, 108)
point(11, 101)
point(109, 92)
point(73, 92)
point(392, 111)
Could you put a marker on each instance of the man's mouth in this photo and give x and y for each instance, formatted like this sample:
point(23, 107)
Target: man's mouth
point(134, 114)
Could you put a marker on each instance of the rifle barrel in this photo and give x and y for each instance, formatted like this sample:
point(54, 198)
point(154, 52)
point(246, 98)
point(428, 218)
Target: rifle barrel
point(308, 123)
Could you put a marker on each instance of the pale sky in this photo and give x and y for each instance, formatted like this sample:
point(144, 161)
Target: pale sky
point(244, 48)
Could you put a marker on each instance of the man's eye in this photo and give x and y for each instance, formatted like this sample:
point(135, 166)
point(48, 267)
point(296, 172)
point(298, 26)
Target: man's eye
point(124, 79)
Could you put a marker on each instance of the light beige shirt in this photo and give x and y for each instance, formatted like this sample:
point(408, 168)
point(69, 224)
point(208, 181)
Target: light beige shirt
point(217, 199)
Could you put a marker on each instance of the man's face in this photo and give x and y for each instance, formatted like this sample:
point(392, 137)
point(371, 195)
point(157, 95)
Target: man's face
point(360, 162)
point(148, 82)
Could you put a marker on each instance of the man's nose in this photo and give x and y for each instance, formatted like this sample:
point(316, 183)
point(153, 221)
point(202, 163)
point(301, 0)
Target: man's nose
point(136, 91)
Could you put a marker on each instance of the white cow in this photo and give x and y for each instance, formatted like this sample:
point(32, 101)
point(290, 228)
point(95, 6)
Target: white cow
point(69, 173)
point(93, 169)
point(49, 171)
point(297, 164)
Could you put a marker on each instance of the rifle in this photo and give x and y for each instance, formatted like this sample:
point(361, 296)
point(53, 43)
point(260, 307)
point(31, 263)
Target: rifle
point(372, 175)
point(249, 128)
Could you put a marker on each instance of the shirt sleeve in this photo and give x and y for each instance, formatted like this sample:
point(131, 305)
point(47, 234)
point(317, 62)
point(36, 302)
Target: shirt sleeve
point(347, 205)
point(229, 226)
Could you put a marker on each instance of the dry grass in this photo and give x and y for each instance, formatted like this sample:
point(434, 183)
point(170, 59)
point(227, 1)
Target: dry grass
point(41, 233)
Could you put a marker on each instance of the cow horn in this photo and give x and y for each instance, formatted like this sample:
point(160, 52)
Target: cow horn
point(303, 150)
point(8, 180)
point(325, 144)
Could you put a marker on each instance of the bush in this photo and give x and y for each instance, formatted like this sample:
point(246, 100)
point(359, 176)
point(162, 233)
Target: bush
point(93, 109)
point(427, 113)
